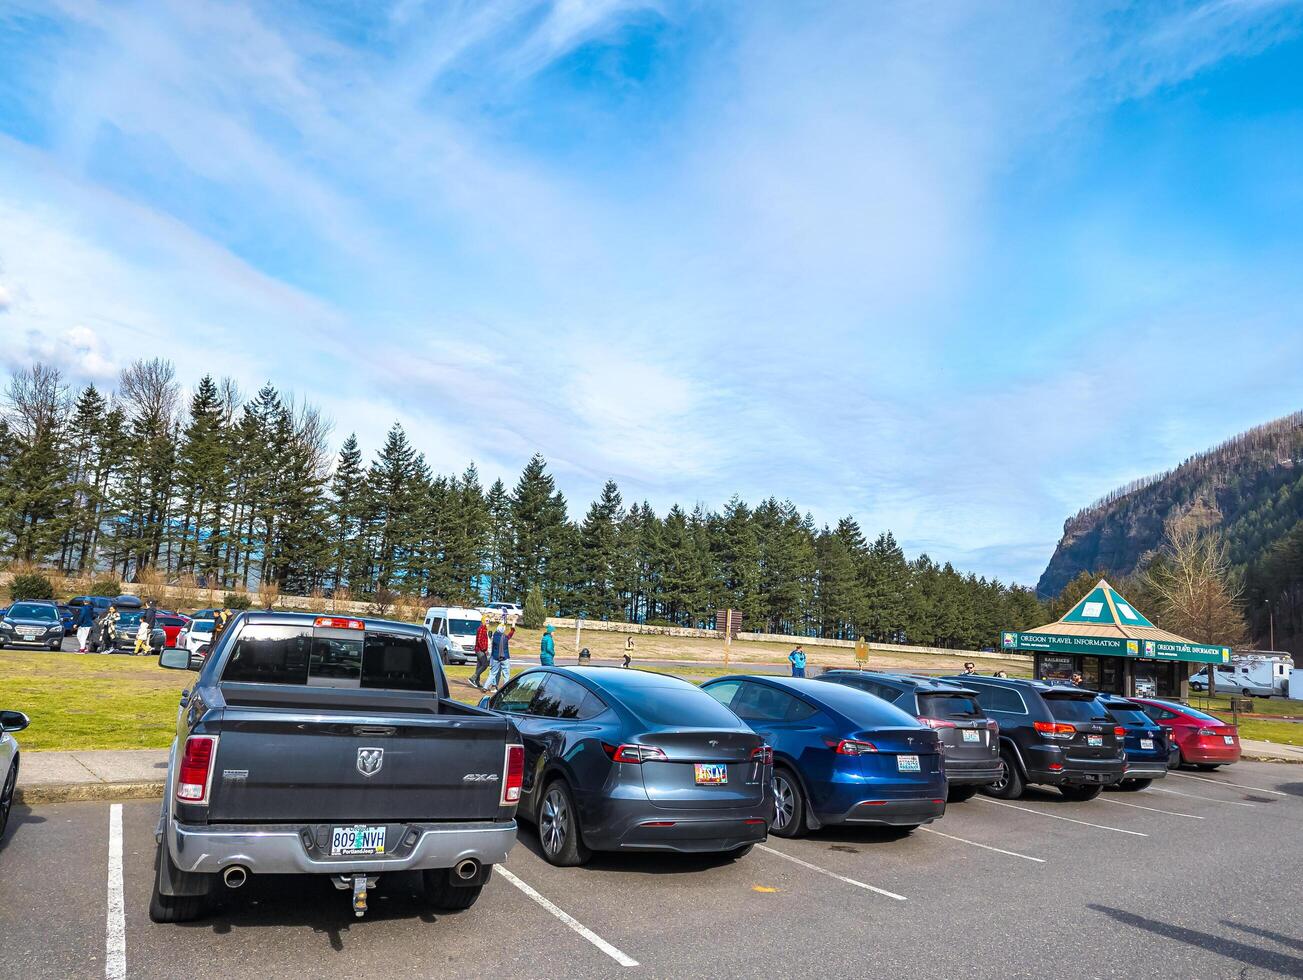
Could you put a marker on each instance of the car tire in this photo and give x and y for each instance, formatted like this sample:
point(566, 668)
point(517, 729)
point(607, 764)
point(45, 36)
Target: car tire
point(1134, 785)
point(1011, 784)
point(558, 827)
point(7, 796)
point(1080, 794)
point(1245, 692)
point(442, 894)
point(172, 908)
point(789, 805)
point(1174, 760)
point(1207, 766)
point(959, 794)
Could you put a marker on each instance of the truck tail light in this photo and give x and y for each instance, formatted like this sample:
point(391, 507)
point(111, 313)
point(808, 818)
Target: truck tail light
point(196, 775)
point(851, 746)
point(1120, 732)
point(337, 623)
point(513, 775)
point(634, 754)
point(1055, 729)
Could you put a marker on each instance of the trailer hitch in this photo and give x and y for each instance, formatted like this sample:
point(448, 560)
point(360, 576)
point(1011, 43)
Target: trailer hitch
point(359, 884)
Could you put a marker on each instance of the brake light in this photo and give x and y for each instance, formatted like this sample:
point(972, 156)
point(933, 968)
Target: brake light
point(513, 775)
point(851, 746)
point(764, 755)
point(1056, 730)
point(937, 723)
point(196, 769)
point(1120, 732)
point(635, 754)
point(334, 623)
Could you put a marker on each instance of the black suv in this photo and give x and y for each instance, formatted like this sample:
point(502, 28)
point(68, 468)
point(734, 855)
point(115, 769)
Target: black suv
point(1053, 734)
point(969, 739)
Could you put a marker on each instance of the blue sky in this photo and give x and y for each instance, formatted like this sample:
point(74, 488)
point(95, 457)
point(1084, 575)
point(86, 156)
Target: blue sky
point(954, 269)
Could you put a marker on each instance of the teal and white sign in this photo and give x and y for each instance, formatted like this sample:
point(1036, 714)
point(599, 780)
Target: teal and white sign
point(1105, 646)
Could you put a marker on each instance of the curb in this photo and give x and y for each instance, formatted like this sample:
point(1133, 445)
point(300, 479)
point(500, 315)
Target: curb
point(86, 792)
point(1264, 757)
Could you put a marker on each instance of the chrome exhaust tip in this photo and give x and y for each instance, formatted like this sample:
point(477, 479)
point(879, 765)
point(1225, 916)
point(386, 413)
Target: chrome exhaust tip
point(234, 877)
point(467, 869)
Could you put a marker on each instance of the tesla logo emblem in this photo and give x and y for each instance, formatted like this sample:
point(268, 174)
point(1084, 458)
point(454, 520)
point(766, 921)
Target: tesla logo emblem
point(714, 743)
point(910, 741)
point(370, 760)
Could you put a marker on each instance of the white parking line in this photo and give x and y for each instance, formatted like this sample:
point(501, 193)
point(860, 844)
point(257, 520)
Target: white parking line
point(830, 874)
point(1191, 796)
point(1055, 816)
point(622, 958)
point(1151, 809)
point(1222, 782)
point(985, 847)
point(115, 924)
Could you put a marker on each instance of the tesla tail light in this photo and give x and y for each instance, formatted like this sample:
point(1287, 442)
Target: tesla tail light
point(763, 755)
point(337, 623)
point(1119, 731)
point(635, 753)
point(196, 768)
point(851, 746)
point(513, 775)
point(1055, 729)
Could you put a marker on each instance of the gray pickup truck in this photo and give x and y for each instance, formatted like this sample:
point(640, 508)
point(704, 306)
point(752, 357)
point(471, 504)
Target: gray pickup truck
point(329, 745)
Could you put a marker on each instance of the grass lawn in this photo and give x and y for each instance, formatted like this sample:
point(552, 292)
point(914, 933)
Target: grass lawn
point(1280, 732)
point(1221, 705)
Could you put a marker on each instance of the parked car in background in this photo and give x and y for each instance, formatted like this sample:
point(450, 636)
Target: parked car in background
point(32, 623)
point(171, 624)
point(99, 602)
point(195, 637)
point(1050, 734)
point(67, 616)
point(499, 610)
point(329, 746)
point(453, 629)
point(1202, 740)
point(635, 761)
point(969, 739)
point(124, 634)
point(1146, 743)
point(841, 756)
point(10, 722)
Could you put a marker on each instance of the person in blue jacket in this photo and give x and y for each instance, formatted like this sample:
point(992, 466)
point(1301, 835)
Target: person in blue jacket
point(797, 660)
point(500, 656)
point(547, 648)
point(85, 620)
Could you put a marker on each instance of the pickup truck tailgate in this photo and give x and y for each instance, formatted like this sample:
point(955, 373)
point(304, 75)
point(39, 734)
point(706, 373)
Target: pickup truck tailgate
point(275, 765)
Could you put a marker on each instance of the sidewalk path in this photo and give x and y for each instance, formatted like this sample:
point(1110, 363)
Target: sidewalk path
point(91, 774)
point(1251, 748)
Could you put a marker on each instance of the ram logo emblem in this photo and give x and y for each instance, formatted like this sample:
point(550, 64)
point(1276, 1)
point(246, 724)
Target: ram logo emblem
point(369, 760)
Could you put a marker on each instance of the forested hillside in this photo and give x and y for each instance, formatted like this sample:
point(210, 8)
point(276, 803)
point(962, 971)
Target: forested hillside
point(1250, 488)
point(215, 487)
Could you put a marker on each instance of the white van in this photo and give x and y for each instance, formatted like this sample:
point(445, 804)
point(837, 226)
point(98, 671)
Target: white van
point(453, 628)
point(1249, 675)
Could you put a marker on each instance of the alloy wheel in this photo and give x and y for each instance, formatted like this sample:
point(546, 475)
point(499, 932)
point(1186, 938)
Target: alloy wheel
point(1000, 784)
point(784, 802)
point(7, 797)
point(554, 822)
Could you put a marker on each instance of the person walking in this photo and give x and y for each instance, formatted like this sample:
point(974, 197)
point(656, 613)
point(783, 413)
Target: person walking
point(142, 637)
point(110, 632)
point(481, 654)
point(150, 615)
point(547, 648)
point(220, 618)
point(500, 656)
point(797, 660)
point(85, 620)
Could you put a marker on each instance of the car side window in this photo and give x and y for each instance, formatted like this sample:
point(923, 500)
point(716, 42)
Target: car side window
point(560, 697)
point(1000, 699)
point(724, 691)
point(801, 710)
point(757, 702)
point(516, 696)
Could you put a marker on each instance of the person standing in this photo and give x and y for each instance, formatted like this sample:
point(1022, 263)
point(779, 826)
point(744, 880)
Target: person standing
point(797, 659)
point(150, 614)
point(111, 629)
point(547, 648)
point(142, 637)
point(500, 656)
point(970, 668)
point(481, 654)
point(85, 620)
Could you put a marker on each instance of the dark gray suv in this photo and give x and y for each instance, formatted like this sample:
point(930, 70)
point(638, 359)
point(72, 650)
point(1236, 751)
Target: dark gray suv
point(970, 741)
point(33, 623)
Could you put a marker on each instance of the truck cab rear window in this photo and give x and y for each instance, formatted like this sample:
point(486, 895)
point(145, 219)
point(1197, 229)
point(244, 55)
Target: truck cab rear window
point(282, 654)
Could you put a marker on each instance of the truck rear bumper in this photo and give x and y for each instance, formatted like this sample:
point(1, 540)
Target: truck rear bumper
point(299, 848)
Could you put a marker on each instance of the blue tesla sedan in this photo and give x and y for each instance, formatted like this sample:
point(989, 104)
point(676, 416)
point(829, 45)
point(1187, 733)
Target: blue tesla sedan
point(632, 760)
point(841, 755)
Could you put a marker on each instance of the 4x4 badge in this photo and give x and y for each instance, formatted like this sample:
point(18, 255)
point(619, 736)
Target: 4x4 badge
point(369, 760)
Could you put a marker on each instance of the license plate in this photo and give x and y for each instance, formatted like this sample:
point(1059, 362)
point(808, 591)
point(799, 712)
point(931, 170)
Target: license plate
point(1230, 739)
point(355, 841)
point(907, 763)
point(27, 634)
point(972, 736)
point(1146, 743)
point(711, 774)
point(1095, 741)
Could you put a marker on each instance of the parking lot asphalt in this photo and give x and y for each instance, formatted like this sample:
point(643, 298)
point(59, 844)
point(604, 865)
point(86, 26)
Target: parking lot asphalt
point(1198, 876)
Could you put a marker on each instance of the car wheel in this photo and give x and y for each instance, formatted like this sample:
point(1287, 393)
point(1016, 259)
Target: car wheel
point(7, 796)
point(172, 908)
point(789, 805)
point(1247, 693)
point(958, 794)
point(1080, 794)
point(558, 827)
point(1010, 784)
point(1134, 785)
point(1207, 766)
point(442, 894)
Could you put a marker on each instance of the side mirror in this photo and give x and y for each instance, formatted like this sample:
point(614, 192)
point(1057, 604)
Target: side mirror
point(13, 721)
point(175, 659)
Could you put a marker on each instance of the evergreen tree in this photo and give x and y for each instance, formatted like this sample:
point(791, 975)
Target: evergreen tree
point(538, 513)
point(349, 566)
point(33, 494)
point(599, 550)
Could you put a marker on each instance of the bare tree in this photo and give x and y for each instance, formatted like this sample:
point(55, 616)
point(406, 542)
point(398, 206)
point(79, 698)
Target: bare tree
point(1198, 591)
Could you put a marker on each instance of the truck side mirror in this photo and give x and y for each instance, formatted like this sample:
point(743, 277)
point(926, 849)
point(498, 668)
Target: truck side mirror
point(177, 658)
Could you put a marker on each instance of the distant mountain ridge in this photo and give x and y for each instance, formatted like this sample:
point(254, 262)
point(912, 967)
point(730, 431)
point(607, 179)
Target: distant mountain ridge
point(1251, 486)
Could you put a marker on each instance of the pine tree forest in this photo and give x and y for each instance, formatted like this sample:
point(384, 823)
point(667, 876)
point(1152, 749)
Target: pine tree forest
point(239, 489)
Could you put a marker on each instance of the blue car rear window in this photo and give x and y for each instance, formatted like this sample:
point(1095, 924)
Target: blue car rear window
point(1130, 716)
point(688, 707)
point(861, 707)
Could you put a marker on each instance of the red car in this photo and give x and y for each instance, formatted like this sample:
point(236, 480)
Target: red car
point(170, 623)
point(1201, 740)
